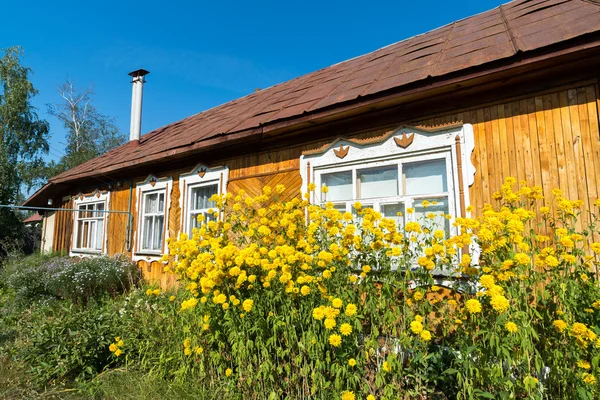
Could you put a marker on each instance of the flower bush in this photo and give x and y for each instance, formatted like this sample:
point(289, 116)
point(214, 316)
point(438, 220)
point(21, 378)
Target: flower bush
point(303, 301)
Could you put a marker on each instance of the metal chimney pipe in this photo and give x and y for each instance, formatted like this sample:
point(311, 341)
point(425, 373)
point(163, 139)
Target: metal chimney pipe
point(137, 91)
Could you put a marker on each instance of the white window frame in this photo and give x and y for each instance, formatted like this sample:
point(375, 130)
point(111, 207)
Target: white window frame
point(86, 200)
point(150, 186)
point(200, 176)
point(440, 144)
point(409, 201)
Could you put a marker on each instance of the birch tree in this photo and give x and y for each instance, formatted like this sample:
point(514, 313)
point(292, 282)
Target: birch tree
point(89, 133)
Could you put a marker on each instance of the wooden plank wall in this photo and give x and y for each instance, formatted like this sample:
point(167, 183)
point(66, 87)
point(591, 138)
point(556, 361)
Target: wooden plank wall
point(63, 227)
point(551, 140)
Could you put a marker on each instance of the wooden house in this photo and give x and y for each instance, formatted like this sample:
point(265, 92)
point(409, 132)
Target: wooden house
point(445, 115)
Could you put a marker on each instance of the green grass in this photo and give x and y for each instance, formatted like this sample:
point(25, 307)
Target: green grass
point(118, 384)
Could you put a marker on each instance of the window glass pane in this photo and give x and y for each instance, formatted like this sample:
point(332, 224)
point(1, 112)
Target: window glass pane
point(80, 234)
point(85, 235)
point(339, 184)
point(99, 234)
point(425, 177)
point(201, 196)
point(92, 240)
point(147, 239)
point(378, 182)
point(82, 213)
point(161, 202)
point(150, 205)
point(439, 220)
point(99, 206)
point(391, 211)
point(157, 233)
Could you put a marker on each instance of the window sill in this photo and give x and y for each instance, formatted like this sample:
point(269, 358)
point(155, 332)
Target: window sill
point(147, 256)
point(83, 252)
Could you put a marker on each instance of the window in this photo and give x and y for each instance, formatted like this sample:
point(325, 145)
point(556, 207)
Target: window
point(153, 221)
point(153, 210)
point(395, 172)
point(200, 205)
point(89, 223)
point(392, 187)
point(198, 187)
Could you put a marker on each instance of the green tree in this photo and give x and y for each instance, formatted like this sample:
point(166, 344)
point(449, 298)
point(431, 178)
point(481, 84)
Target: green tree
point(89, 133)
point(23, 139)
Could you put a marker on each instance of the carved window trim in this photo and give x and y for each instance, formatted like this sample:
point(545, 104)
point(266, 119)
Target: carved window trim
point(92, 199)
point(149, 186)
point(453, 142)
point(200, 176)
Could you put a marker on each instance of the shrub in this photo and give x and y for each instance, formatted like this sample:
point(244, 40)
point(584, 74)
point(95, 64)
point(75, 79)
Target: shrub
point(350, 307)
point(91, 278)
point(28, 277)
point(66, 341)
point(45, 277)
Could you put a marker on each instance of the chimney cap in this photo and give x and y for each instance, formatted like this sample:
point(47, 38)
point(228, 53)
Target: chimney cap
point(138, 73)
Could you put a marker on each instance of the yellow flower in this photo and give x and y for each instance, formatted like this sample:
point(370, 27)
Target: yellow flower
point(559, 325)
point(345, 329)
point(352, 362)
point(418, 296)
point(318, 313)
point(228, 372)
point(371, 397)
point(583, 364)
point(305, 290)
point(324, 189)
point(172, 298)
point(112, 347)
point(247, 305)
point(156, 292)
point(330, 323)
point(416, 327)
point(511, 327)
point(118, 352)
point(578, 329)
point(499, 303)
point(425, 335)
point(386, 366)
point(190, 303)
point(350, 310)
point(348, 395)
point(199, 350)
point(120, 343)
point(487, 281)
point(588, 378)
point(530, 381)
point(311, 187)
point(335, 340)
point(473, 306)
point(337, 303)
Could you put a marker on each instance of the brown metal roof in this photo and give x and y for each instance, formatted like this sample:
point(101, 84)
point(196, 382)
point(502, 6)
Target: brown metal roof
point(32, 218)
point(516, 27)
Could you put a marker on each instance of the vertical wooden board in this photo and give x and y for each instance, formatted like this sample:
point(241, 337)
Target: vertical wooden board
point(492, 152)
point(550, 141)
point(588, 152)
point(561, 162)
point(577, 149)
point(480, 138)
point(501, 170)
point(544, 156)
point(571, 169)
point(475, 191)
point(523, 139)
point(505, 112)
point(594, 120)
point(533, 140)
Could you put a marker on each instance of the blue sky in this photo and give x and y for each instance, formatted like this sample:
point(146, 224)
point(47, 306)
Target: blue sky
point(200, 54)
